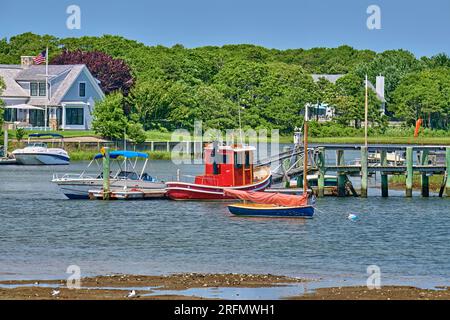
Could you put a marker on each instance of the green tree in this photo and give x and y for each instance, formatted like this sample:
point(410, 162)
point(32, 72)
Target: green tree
point(20, 133)
point(109, 118)
point(349, 102)
point(424, 94)
point(393, 65)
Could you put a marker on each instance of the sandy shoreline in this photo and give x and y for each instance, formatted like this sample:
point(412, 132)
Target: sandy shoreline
point(147, 287)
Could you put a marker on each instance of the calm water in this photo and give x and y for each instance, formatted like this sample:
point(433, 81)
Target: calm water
point(41, 234)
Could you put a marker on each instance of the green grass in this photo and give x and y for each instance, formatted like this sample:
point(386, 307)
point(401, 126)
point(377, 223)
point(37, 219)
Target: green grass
point(65, 134)
point(159, 136)
point(79, 155)
point(384, 140)
point(84, 155)
point(399, 181)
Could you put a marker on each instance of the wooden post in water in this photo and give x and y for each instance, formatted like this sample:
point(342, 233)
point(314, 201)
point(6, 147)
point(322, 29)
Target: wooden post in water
point(384, 177)
point(409, 171)
point(447, 160)
point(364, 171)
point(106, 170)
point(424, 179)
point(340, 175)
point(5, 144)
point(286, 164)
point(321, 178)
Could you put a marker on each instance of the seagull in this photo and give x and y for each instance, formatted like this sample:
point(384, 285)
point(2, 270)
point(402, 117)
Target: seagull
point(55, 292)
point(131, 294)
point(352, 217)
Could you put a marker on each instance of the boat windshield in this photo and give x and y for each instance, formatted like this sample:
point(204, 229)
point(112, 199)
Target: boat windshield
point(128, 175)
point(37, 145)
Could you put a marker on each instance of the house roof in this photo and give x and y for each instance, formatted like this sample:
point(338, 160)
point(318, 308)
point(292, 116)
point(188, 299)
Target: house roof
point(36, 73)
point(14, 74)
point(13, 89)
point(72, 74)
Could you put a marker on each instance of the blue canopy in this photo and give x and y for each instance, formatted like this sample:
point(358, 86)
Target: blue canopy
point(40, 135)
point(123, 153)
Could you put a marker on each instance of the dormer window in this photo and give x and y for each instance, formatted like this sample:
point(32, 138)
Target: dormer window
point(37, 89)
point(82, 89)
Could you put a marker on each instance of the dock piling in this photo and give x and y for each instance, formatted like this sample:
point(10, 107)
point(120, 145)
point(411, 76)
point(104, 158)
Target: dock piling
point(425, 179)
point(384, 176)
point(106, 170)
point(321, 178)
point(364, 171)
point(409, 171)
point(5, 145)
point(341, 176)
point(447, 160)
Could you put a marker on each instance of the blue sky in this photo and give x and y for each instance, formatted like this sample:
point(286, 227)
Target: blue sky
point(422, 27)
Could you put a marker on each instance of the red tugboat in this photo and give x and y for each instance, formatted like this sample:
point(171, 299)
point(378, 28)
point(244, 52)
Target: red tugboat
point(226, 168)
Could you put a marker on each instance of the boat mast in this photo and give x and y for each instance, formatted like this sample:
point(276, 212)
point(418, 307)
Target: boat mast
point(305, 152)
point(366, 112)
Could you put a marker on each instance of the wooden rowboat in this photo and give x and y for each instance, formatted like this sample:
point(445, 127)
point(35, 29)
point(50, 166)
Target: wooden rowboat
point(271, 205)
point(270, 211)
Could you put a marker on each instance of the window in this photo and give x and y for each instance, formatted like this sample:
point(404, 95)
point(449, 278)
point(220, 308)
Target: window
point(247, 159)
point(42, 92)
point(75, 116)
point(82, 89)
point(33, 89)
point(237, 160)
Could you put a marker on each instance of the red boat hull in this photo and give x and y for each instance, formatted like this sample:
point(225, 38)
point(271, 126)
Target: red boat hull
point(190, 191)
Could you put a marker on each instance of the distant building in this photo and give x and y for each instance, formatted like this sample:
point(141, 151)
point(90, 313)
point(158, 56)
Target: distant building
point(325, 112)
point(72, 94)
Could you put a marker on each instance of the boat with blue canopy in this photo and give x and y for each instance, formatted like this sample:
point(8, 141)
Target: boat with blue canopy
point(125, 174)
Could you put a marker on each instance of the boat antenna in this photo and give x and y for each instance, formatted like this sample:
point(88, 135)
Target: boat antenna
point(240, 124)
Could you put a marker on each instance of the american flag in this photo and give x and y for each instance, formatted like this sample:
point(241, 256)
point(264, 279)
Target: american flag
point(40, 58)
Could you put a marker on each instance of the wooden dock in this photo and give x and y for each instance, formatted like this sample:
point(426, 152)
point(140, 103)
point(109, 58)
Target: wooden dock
point(422, 164)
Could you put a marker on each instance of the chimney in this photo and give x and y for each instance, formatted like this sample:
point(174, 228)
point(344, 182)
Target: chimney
point(380, 87)
point(26, 61)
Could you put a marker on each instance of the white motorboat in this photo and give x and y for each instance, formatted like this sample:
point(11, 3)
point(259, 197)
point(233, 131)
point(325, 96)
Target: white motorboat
point(38, 153)
point(78, 186)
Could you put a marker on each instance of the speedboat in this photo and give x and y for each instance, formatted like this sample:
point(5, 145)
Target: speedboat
point(126, 176)
point(226, 168)
point(38, 153)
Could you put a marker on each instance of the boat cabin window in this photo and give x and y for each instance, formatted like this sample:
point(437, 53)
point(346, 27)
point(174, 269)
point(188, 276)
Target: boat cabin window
point(237, 160)
point(247, 159)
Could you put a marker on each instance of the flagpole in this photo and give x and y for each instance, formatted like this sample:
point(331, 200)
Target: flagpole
point(46, 89)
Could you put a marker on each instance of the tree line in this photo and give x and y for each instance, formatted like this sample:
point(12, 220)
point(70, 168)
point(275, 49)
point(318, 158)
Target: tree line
point(162, 88)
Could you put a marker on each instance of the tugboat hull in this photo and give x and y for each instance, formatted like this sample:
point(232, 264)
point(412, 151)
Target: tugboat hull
point(190, 191)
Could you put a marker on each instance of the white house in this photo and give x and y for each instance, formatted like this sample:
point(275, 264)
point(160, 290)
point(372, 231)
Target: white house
point(72, 94)
point(325, 112)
